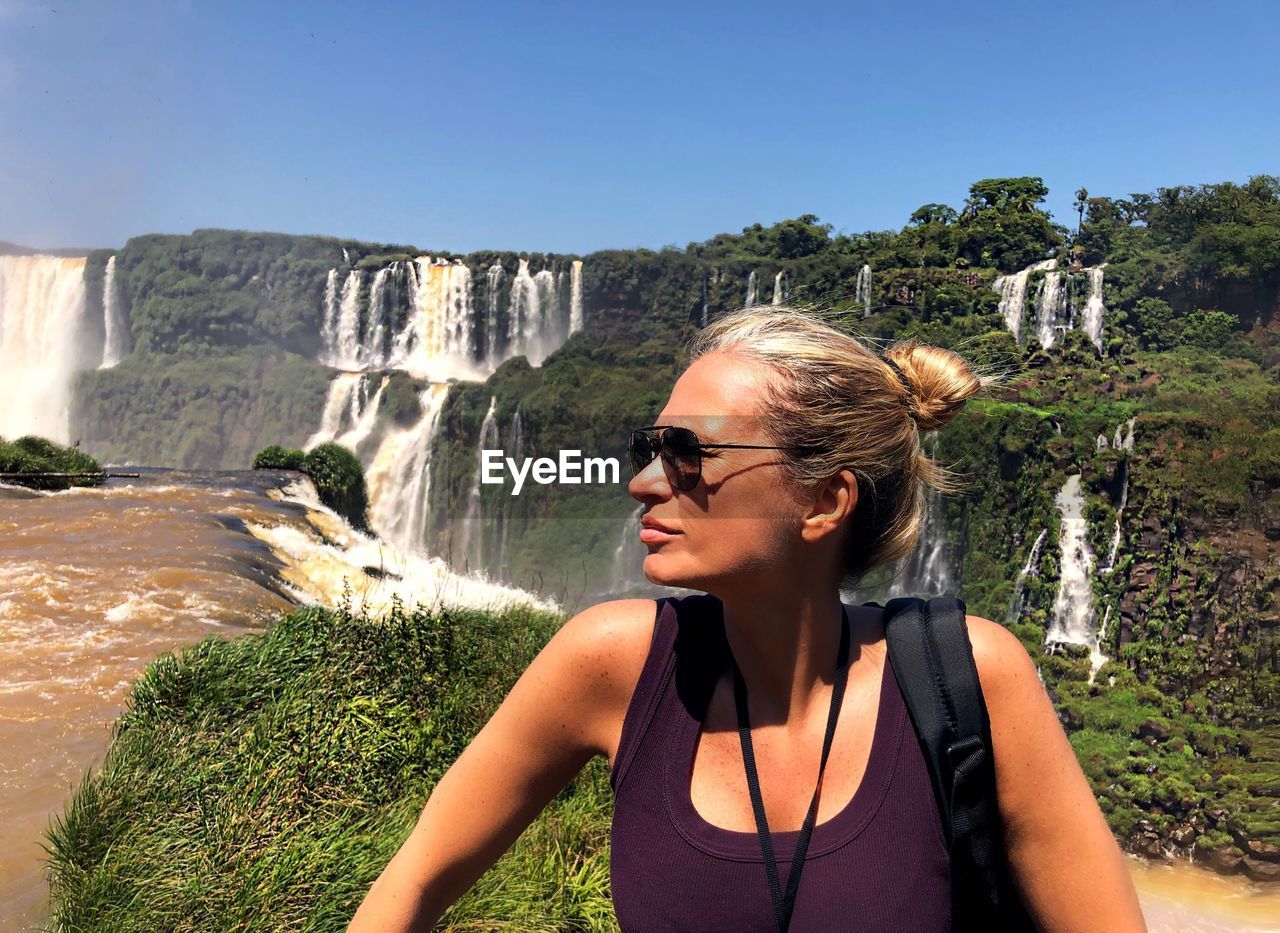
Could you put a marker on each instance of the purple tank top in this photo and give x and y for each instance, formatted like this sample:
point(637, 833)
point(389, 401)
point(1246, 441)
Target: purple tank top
point(880, 864)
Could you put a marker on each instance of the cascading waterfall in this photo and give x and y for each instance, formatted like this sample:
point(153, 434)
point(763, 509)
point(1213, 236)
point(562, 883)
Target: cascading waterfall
point(1096, 657)
point(702, 320)
point(1029, 569)
point(116, 325)
point(575, 297)
point(1125, 444)
point(342, 349)
point(473, 529)
point(927, 572)
point(1049, 308)
point(515, 444)
point(628, 556)
point(862, 290)
point(1013, 295)
point(1072, 619)
point(751, 289)
point(493, 291)
point(1094, 309)
point(534, 324)
point(43, 341)
point(777, 289)
point(368, 328)
point(350, 415)
point(399, 479)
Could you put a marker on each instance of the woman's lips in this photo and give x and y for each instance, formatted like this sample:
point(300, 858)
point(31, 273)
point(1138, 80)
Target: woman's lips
point(652, 532)
point(653, 535)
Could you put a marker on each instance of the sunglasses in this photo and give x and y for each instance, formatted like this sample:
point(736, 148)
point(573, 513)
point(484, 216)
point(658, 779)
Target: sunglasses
point(681, 452)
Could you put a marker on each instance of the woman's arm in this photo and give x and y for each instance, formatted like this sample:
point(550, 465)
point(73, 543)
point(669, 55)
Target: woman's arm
point(565, 708)
point(1071, 871)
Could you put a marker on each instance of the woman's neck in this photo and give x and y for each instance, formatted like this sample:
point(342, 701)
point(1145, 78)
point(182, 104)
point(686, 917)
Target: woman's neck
point(785, 645)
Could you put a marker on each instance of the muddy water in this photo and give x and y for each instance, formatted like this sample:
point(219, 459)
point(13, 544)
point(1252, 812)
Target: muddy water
point(94, 583)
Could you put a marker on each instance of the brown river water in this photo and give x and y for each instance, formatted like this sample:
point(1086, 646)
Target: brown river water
point(95, 583)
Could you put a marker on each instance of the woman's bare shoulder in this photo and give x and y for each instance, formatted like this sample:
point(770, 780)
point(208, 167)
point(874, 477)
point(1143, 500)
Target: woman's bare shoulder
point(613, 639)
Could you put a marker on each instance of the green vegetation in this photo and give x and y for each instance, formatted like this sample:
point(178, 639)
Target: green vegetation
point(32, 454)
point(276, 457)
point(263, 783)
point(334, 471)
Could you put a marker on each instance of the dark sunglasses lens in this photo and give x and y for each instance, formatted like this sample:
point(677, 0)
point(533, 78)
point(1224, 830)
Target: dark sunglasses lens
point(680, 451)
point(680, 455)
point(640, 450)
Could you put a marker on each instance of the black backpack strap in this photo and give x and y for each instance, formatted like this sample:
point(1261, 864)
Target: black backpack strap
point(932, 660)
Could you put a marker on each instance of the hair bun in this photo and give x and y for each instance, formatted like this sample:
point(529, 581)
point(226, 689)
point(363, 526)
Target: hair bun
point(938, 381)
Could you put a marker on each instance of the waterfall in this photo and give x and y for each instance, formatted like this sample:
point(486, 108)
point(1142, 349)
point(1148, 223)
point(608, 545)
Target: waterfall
point(43, 341)
point(370, 353)
point(702, 321)
point(777, 289)
point(1096, 657)
point(342, 350)
point(1013, 295)
point(493, 291)
point(751, 289)
point(1049, 308)
point(1072, 620)
point(1125, 444)
point(927, 572)
point(515, 446)
point(532, 321)
point(350, 415)
point(399, 480)
point(1029, 569)
point(862, 290)
point(575, 297)
point(472, 527)
point(418, 316)
point(116, 345)
point(628, 557)
point(1094, 309)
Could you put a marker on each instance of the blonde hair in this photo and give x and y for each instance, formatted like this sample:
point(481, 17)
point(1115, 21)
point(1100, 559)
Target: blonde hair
point(833, 392)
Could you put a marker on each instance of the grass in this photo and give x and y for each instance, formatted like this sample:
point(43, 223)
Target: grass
point(263, 783)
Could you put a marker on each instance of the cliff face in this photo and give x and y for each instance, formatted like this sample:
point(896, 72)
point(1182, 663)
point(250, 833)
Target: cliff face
point(1122, 517)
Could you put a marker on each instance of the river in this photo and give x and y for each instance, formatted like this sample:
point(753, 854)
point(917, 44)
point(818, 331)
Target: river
point(94, 583)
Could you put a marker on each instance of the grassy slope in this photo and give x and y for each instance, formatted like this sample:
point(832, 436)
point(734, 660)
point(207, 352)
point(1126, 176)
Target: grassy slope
point(262, 783)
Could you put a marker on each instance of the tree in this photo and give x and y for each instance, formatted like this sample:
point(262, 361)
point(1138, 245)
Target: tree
point(934, 214)
point(1082, 198)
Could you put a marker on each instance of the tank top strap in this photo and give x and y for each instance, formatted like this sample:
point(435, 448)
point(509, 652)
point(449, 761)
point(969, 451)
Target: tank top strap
point(684, 645)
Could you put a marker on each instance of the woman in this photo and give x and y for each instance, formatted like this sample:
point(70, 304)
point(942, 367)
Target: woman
point(804, 471)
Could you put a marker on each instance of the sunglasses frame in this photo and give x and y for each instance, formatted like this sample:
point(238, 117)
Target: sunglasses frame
point(698, 448)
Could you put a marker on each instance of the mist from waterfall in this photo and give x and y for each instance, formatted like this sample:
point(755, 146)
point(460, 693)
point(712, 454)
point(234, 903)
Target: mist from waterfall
point(44, 340)
point(1072, 618)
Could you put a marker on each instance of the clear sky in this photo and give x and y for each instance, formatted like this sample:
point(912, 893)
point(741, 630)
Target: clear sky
point(579, 126)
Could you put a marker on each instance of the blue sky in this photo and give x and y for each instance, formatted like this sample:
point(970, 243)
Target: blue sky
point(582, 126)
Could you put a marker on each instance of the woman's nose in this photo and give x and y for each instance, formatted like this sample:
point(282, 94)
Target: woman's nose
point(651, 481)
